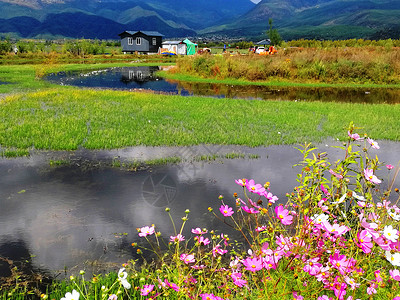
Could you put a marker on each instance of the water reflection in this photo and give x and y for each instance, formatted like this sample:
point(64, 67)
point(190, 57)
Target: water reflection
point(144, 77)
point(66, 218)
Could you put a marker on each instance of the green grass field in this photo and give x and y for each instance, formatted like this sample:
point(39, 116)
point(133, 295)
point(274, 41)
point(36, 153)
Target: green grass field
point(35, 114)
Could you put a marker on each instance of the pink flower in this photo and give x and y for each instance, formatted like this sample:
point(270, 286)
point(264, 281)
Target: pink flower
point(364, 241)
point(237, 279)
point(326, 192)
point(271, 198)
point(389, 167)
point(241, 182)
point(335, 174)
point(283, 215)
point(217, 250)
point(178, 238)
point(395, 274)
point(373, 143)
point(261, 228)
point(372, 289)
point(255, 188)
point(312, 266)
point(146, 289)
point(207, 297)
point(297, 296)
point(250, 210)
point(187, 258)
point(341, 263)
point(226, 210)
point(172, 285)
point(323, 297)
point(369, 175)
point(252, 264)
point(199, 231)
point(354, 136)
point(202, 240)
point(144, 231)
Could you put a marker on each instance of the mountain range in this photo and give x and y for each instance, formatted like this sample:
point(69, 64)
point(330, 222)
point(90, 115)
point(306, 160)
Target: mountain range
point(105, 19)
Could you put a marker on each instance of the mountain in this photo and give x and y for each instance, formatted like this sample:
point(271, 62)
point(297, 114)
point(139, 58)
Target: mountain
point(317, 19)
point(294, 19)
point(106, 18)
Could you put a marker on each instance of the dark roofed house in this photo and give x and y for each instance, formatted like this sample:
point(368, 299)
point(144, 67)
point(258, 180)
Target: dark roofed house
point(140, 41)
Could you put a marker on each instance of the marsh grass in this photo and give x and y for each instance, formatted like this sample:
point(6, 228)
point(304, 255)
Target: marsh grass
point(347, 66)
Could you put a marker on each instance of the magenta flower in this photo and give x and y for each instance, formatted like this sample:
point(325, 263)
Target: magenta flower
point(369, 175)
point(202, 240)
point(312, 266)
point(395, 274)
point(172, 285)
point(237, 279)
point(354, 136)
point(323, 297)
point(144, 231)
point(146, 289)
point(187, 258)
point(176, 239)
point(364, 241)
point(283, 215)
point(271, 198)
point(217, 250)
point(341, 263)
point(389, 167)
point(255, 188)
point(241, 182)
point(252, 264)
point(251, 210)
point(297, 296)
point(335, 174)
point(207, 297)
point(226, 210)
point(199, 231)
point(373, 143)
point(324, 190)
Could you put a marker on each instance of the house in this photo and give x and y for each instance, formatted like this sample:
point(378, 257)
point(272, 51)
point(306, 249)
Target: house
point(140, 41)
point(184, 47)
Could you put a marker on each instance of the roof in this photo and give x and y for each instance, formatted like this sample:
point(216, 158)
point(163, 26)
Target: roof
point(172, 42)
point(264, 42)
point(187, 42)
point(149, 33)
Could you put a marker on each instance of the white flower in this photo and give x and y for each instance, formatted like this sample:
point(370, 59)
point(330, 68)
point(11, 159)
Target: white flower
point(393, 214)
point(358, 197)
point(122, 275)
point(340, 200)
point(390, 233)
point(320, 218)
point(394, 259)
point(71, 296)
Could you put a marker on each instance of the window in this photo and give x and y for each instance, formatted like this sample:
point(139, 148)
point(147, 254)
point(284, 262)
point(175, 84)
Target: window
point(154, 41)
point(138, 41)
point(130, 41)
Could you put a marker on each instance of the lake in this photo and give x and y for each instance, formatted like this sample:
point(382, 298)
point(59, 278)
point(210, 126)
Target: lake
point(66, 211)
point(145, 78)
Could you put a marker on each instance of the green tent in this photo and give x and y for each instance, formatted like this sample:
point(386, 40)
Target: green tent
point(190, 47)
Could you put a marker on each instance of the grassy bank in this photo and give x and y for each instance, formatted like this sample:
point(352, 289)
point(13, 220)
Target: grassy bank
point(360, 66)
point(69, 118)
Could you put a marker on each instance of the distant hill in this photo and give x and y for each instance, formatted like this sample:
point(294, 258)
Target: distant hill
point(108, 18)
point(294, 19)
point(317, 19)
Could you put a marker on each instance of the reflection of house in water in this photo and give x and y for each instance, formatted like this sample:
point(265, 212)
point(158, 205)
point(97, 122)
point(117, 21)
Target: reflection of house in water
point(139, 74)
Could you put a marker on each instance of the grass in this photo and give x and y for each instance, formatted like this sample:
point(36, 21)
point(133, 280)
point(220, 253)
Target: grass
point(65, 119)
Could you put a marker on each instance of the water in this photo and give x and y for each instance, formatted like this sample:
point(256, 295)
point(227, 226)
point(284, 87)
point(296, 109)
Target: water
point(144, 78)
point(83, 215)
